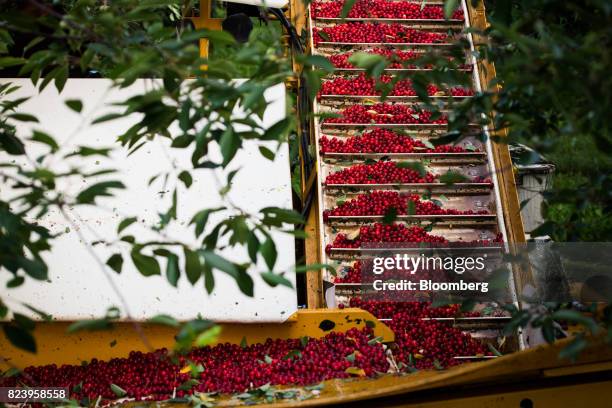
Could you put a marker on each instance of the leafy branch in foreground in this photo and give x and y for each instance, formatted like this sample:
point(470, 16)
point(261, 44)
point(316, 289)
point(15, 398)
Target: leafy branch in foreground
point(124, 41)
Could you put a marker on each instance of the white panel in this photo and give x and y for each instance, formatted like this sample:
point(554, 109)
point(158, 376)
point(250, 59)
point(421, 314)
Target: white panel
point(262, 3)
point(79, 288)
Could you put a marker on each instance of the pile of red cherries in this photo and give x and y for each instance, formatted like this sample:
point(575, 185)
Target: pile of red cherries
point(393, 235)
point(410, 10)
point(386, 113)
point(366, 86)
point(424, 344)
point(226, 367)
point(382, 172)
point(399, 235)
point(381, 141)
point(397, 59)
point(376, 33)
point(381, 202)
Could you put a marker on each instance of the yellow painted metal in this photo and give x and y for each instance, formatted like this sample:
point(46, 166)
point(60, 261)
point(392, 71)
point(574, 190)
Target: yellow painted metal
point(205, 21)
point(505, 172)
point(518, 380)
point(579, 395)
point(502, 382)
point(57, 346)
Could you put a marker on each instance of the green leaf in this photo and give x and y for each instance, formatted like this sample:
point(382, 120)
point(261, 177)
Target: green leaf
point(351, 357)
point(92, 325)
point(219, 37)
point(323, 35)
point(319, 61)
point(279, 130)
point(146, 265)
point(11, 372)
point(23, 117)
point(117, 390)
point(184, 115)
point(208, 337)
point(275, 216)
point(61, 76)
point(11, 61)
point(201, 218)
point(3, 310)
point(107, 117)
point(186, 178)
point(164, 320)
point(494, 350)
point(268, 252)
point(220, 263)
point(86, 151)
point(182, 141)
point(19, 337)
point(428, 144)
point(172, 269)
point(416, 166)
point(104, 323)
point(452, 177)
point(126, 222)
point(209, 279)
point(193, 267)
point(115, 262)
point(267, 153)
point(23, 321)
point(245, 283)
point(273, 279)
point(188, 385)
point(360, 372)
point(253, 246)
point(316, 387)
point(44, 138)
point(75, 104)
point(390, 216)
point(572, 350)
point(293, 355)
point(313, 79)
point(35, 268)
point(449, 7)
point(346, 8)
point(574, 316)
point(366, 60)
point(243, 342)
point(15, 282)
point(88, 196)
point(411, 208)
point(45, 316)
point(315, 267)
point(375, 340)
point(229, 143)
point(189, 331)
point(11, 144)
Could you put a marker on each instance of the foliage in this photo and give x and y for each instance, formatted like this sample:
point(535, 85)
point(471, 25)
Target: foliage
point(551, 57)
point(551, 92)
point(552, 60)
point(126, 40)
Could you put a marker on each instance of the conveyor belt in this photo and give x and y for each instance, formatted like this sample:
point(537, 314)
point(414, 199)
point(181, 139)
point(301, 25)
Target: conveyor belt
point(477, 199)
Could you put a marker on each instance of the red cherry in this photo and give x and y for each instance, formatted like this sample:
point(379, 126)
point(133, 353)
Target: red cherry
point(358, 32)
point(403, 9)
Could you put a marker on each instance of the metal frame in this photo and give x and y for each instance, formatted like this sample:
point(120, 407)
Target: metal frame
point(504, 196)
